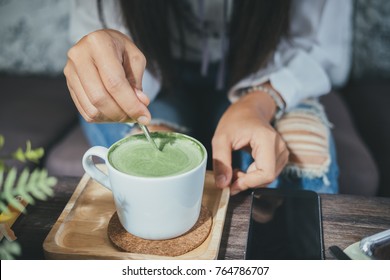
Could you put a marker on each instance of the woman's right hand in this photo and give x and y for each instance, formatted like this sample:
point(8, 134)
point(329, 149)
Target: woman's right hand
point(104, 76)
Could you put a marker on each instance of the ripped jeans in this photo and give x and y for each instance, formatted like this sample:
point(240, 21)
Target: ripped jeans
point(194, 107)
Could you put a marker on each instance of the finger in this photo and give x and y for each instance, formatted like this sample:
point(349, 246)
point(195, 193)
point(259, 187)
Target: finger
point(241, 184)
point(262, 171)
point(282, 155)
point(282, 161)
point(142, 97)
point(237, 173)
point(80, 99)
point(97, 93)
point(265, 155)
point(119, 88)
point(134, 63)
point(76, 102)
point(114, 79)
point(243, 181)
point(222, 161)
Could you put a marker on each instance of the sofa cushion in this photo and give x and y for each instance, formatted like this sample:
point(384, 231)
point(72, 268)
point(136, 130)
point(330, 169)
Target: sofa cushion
point(65, 158)
point(38, 109)
point(371, 40)
point(358, 171)
point(369, 103)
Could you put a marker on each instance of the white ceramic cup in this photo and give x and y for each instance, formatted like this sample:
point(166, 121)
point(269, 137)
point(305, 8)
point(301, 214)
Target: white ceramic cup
point(153, 208)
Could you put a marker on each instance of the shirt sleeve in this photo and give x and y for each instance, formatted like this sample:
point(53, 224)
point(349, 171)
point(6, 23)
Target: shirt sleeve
point(84, 19)
point(315, 56)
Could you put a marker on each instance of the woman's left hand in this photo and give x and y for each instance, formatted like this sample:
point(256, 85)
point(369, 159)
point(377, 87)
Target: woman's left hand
point(246, 125)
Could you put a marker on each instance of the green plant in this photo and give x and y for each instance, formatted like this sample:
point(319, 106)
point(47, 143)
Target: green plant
point(17, 187)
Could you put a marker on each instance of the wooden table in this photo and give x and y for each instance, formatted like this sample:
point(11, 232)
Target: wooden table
point(346, 220)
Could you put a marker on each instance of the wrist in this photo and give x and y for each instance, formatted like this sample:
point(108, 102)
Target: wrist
point(265, 95)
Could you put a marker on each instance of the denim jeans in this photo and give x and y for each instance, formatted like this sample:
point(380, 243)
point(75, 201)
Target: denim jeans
point(193, 106)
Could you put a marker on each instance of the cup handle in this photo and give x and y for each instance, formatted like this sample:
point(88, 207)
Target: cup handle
point(90, 167)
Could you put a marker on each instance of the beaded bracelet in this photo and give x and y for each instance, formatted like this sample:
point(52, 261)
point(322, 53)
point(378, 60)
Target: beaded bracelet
point(280, 106)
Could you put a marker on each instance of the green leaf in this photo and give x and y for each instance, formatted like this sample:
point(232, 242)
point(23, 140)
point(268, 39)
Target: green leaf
point(8, 193)
point(1, 179)
point(3, 207)
point(32, 183)
point(21, 187)
point(26, 186)
point(33, 154)
point(44, 184)
point(10, 181)
point(30, 187)
point(2, 141)
point(9, 249)
point(17, 204)
point(19, 155)
point(37, 193)
point(39, 185)
point(29, 154)
point(48, 188)
point(23, 178)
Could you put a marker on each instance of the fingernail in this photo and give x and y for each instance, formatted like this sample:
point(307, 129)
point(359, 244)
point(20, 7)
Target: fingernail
point(143, 120)
point(234, 192)
point(236, 186)
point(139, 92)
point(240, 181)
point(220, 180)
point(142, 97)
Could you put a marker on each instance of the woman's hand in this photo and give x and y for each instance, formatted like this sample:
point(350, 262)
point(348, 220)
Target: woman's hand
point(246, 125)
point(104, 76)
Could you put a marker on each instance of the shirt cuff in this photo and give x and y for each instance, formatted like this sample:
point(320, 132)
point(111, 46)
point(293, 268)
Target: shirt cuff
point(300, 78)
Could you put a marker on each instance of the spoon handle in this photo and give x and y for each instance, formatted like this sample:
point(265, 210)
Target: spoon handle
point(147, 134)
point(370, 243)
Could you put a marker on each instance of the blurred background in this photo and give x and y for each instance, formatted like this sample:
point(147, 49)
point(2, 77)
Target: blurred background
point(35, 104)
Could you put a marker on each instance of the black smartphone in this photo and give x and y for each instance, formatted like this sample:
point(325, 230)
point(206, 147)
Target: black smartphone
point(285, 225)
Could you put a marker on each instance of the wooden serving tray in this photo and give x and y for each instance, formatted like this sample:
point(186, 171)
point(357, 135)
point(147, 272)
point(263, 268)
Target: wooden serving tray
point(81, 230)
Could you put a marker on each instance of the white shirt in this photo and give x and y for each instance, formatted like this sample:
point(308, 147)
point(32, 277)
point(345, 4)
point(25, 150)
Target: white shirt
point(315, 57)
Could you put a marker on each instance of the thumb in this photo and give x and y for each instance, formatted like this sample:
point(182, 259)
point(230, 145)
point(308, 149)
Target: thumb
point(222, 162)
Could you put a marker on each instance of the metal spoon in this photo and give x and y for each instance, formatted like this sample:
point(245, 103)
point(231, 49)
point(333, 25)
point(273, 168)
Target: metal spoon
point(147, 135)
point(370, 243)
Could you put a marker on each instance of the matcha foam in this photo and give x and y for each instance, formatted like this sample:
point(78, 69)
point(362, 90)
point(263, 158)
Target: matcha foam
point(136, 156)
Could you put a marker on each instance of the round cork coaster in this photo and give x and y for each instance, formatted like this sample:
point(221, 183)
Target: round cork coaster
point(170, 247)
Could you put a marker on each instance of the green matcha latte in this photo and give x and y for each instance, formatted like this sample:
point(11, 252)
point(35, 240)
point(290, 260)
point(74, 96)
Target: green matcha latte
point(136, 156)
